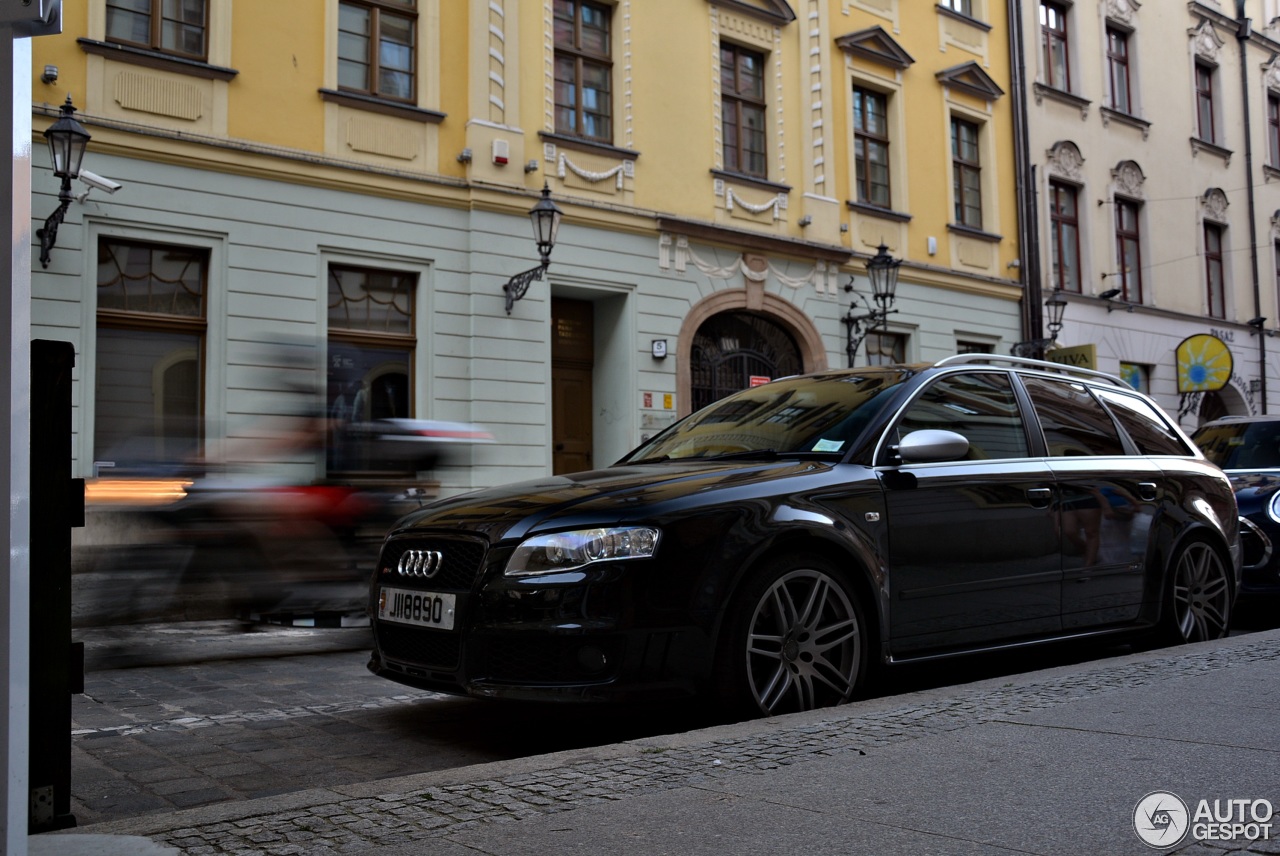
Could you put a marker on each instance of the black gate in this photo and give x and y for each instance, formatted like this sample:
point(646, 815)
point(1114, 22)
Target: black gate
point(731, 348)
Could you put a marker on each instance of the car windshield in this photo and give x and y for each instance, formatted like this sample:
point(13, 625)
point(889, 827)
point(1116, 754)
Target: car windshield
point(810, 416)
point(1241, 445)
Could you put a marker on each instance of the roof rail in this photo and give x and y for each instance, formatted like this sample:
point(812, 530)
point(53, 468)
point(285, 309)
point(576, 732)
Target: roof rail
point(1043, 365)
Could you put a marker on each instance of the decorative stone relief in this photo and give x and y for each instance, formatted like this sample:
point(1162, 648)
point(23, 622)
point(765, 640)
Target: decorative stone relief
point(381, 138)
point(1129, 179)
point(151, 94)
point(626, 169)
point(1271, 74)
point(1208, 44)
point(674, 251)
point(498, 62)
point(1123, 11)
point(1065, 160)
point(1214, 202)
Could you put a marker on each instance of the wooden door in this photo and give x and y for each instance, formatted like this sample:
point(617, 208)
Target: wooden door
point(572, 357)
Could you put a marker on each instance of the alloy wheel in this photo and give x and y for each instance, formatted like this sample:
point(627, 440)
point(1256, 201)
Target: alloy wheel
point(804, 644)
point(1201, 594)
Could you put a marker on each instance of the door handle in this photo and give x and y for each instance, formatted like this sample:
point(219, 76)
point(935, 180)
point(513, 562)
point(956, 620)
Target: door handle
point(1039, 497)
point(1147, 491)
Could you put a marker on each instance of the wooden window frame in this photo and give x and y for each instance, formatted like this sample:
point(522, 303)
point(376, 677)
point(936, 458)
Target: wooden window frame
point(1204, 75)
point(1051, 37)
point(964, 168)
point(581, 59)
point(742, 99)
point(1119, 70)
point(157, 20)
point(1058, 224)
point(1130, 280)
point(863, 141)
point(376, 9)
point(1215, 270)
point(1273, 129)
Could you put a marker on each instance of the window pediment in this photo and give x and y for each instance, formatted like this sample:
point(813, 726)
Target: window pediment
point(876, 45)
point(773, 11)
point(969, 77)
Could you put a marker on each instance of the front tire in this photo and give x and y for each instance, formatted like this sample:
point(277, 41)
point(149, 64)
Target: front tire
point(1199, 598)
point(796, 640)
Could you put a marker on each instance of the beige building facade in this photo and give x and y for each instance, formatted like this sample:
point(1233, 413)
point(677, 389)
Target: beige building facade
point(319, 203)
point(1154, 181)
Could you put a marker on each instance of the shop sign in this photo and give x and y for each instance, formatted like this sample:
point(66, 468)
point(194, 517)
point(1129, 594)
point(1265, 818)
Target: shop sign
point(1077, 356)
point(1204, 363)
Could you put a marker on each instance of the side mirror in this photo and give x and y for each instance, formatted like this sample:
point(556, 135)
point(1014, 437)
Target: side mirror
point(930, 445)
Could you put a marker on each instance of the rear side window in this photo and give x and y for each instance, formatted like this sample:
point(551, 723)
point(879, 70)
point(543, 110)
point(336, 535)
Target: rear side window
point(1149, 430)
point(981, 406)
point(1073, 421)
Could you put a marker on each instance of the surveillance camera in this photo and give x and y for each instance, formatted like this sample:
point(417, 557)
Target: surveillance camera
point(99, 182)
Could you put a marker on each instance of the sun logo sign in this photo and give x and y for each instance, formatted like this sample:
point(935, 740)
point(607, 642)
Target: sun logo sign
point(1204, 364)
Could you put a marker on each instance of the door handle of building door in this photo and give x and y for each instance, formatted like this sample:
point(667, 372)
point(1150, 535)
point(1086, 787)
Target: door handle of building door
point(559, 447)
point(1147, 491)
point(1039, 497)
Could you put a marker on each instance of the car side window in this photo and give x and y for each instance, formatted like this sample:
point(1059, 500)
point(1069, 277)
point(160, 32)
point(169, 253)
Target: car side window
point(981, 406)
point(1150, 432)
point(1073, 421)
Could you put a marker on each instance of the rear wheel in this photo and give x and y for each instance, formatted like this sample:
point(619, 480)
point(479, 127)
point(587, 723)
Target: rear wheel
point(1198, 604)
point(796, 640)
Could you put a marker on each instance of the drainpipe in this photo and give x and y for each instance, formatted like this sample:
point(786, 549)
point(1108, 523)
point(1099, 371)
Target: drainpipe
point(1028, 219)
point(1243, 30)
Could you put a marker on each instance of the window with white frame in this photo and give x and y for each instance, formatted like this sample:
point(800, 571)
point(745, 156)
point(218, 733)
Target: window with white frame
point(370, 357)
point(150, 352)
point(885, 349)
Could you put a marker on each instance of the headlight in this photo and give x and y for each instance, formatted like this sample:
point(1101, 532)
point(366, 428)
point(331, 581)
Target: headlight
point(1273, 507)
point(564, 551)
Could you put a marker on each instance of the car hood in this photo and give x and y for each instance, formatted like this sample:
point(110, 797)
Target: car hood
point(1253, 485)
point(604, 497)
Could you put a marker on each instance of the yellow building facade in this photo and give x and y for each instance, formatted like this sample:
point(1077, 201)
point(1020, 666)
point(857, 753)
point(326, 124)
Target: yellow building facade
point(726, 169)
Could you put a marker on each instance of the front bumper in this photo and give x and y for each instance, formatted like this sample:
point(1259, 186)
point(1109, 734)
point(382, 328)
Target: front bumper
point(600, 634)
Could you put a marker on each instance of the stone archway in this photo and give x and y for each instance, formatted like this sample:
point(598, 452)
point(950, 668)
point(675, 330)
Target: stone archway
point(752, 298)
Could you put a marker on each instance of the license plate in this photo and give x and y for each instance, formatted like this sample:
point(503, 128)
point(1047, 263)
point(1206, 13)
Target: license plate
point(419, 608)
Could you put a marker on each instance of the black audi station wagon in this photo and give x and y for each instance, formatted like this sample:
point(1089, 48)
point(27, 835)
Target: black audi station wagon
point(767, 550)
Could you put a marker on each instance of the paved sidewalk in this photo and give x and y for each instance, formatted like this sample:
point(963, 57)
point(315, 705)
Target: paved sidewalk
point(1047, 762)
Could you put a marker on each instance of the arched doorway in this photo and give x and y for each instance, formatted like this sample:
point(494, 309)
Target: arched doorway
point(732, 348)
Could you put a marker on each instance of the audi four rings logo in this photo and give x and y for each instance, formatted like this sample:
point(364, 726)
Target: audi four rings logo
point(420, 563)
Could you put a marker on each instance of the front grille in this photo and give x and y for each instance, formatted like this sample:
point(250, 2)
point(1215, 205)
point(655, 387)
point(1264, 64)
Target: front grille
point(462, 559)
point(437, 649)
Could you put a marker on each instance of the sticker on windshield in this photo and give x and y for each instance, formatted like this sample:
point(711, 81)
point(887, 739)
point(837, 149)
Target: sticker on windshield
point(828, 445)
